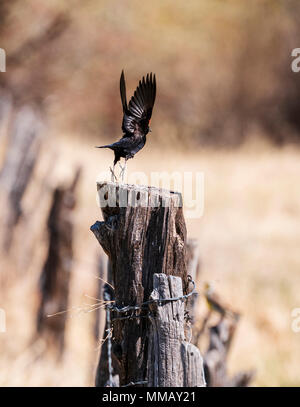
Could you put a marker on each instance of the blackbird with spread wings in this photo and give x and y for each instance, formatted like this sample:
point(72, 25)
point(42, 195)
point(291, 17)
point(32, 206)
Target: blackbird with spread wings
point(136, 119)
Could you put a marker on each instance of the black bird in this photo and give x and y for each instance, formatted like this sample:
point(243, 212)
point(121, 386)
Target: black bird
point(136, 119)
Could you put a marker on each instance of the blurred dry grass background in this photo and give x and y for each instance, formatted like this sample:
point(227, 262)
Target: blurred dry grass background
point(228, 105)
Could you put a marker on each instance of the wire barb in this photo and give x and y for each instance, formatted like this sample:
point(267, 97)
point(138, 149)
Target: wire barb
point(160, 301)
point(111, 307)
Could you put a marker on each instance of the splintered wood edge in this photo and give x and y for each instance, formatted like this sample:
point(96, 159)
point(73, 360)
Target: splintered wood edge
point(142, 188)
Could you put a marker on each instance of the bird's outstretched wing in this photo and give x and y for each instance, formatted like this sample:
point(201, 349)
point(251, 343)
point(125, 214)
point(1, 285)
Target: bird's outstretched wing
point(123, 92)
point(138, 113)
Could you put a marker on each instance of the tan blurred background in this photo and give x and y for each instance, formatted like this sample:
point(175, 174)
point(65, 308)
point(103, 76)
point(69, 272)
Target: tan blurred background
point(227, 104)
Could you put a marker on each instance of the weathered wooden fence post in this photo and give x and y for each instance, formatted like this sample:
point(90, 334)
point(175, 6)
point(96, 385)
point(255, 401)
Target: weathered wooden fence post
point(22, 154)
point(172, 361)
point(56, 274)
point(215, 358)
point(193, 268)
point(143, 233)
point(102, 374)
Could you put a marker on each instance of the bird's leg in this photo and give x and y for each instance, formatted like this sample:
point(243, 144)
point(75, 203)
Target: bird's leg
point(113, 175)
point(123, 169)
point(125, 165)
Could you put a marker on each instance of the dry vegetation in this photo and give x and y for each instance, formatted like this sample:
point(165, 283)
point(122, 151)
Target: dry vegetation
point(248, 247)
point(224, 78)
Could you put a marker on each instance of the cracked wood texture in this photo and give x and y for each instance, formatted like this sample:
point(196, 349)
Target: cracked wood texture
point(143, 233)
point(171, 360)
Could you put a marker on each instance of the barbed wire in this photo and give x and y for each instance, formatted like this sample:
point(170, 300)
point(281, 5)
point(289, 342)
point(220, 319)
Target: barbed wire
point(129, 317)
point(135, 383)
point(112, 307)
point(127, 308)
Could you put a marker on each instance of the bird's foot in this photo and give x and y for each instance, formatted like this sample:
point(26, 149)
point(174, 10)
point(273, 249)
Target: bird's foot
point(113, 175)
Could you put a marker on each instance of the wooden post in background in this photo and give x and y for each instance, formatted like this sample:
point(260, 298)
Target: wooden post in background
point(22, 153)
point(56, 273)
point(102, 374)
point(215, 358)
point(193, 270)
point(143, 233)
